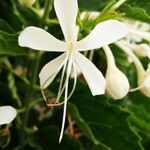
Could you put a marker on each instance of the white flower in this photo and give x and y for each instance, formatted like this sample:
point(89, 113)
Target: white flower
point(7, 114)
point(117, 84)
point(103, 34)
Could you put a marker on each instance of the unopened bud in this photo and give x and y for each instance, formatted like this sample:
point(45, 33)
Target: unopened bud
point(117, 84)
point(144, 80)
point(27, 3)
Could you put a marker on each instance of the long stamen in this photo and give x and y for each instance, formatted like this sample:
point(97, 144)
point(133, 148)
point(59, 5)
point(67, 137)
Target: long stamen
point(66, 95)
point(62, 78)
point(64, 113)
point(75, 81)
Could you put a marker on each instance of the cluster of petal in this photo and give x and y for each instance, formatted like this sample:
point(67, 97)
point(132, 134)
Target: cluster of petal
point(7, 114)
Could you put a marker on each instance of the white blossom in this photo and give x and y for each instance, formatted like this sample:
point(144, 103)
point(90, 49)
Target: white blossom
point(7, 114)
point(103, 34)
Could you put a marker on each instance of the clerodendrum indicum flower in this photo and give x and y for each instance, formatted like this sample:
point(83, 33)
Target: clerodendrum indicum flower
point(7, 114)
point(103, 34)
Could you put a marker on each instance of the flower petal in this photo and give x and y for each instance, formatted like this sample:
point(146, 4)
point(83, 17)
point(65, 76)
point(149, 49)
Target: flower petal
point(39, 39)
point(92, 75)
point(7, 114)
point(66, 11)
point(103, 34)
point(50, 70)
point(147, 82)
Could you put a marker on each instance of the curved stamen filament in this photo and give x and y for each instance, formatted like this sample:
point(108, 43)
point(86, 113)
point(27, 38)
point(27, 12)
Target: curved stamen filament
point(69, 65)
point(64, 68)
point(62, 78)
point(74, 85)
point(75, 81)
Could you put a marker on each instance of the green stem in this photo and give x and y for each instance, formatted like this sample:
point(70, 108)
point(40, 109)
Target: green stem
point(140, 123)
point(48, 8)
point(28, 100)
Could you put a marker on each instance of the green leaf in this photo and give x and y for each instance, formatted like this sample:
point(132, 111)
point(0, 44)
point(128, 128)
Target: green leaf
point(13, 88)
point(72, 109)
point(47, 138)
point(108, 122)
point(140, 112)
point(29, 16)
point(93, 5)
point(137, 9)
point(9, 45)
point(5, 27)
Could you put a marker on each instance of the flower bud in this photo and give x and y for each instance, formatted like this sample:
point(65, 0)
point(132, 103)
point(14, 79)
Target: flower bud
point(27, 3)
point(144, 80)
point(117, 84)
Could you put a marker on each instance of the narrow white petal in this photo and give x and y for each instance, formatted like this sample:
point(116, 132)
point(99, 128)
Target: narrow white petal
point(39, 39)
point(103, 34)
point(7, 114)
point(78, 71)
point(50, 70)
point(66, 11)
point(92, 75)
